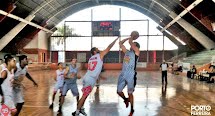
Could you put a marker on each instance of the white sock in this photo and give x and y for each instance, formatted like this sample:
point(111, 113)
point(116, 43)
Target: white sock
point(77, 111)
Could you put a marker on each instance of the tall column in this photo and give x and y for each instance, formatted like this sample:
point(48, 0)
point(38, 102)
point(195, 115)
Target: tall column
point(195, 33)
point(13, 32)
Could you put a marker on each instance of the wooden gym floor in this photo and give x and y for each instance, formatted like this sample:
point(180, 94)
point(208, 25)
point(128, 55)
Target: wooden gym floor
point(151, 99)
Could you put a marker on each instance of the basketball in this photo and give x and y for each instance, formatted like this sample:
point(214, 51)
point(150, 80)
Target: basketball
point(134, 35)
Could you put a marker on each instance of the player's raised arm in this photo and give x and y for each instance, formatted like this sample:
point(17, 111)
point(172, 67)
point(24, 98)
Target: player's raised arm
point(122, 46)
point(103, 53)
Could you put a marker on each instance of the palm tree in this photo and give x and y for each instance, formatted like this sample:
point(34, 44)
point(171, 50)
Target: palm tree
point(60, 33)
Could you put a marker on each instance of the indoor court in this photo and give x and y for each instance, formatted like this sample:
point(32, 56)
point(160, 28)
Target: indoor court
point(150, 97)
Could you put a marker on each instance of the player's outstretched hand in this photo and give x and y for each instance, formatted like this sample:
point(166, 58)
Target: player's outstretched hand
point(35, 84)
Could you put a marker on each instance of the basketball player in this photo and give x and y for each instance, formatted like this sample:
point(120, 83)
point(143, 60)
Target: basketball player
point(21, 71)
point(128, 74)
point(2, 66)
point(94, 69)
point(70, 75)
point(59, 77)
point(7, 107)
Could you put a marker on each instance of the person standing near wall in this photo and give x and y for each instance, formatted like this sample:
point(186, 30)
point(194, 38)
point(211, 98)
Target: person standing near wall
point(163, 67)
point(193, 71)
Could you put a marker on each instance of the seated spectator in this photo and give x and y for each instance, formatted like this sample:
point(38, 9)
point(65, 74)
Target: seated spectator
point(193, 71)
point(211, 72)
point(201, 74)
point(212, 69)
point(179, 69)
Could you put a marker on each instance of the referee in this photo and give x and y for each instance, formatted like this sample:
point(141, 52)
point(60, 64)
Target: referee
point(163, 67)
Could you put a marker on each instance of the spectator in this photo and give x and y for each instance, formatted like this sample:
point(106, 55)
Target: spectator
point(164, 67)
point(193, 71)
point(211, 72)
point(180, 69)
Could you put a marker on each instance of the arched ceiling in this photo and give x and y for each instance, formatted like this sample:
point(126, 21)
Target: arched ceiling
point(49, 13)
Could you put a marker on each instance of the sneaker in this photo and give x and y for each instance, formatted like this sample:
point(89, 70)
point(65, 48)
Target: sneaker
point(131, 113)
point(51, 106)
point(83, 112)
point(74, 114)
point(126, 102)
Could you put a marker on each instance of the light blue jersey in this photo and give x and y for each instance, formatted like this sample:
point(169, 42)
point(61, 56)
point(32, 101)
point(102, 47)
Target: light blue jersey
point(71, 80)
point(128, 74)
point(70, 83)
point(129, 62)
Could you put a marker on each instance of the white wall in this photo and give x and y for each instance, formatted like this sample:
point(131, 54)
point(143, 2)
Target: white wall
point(33, 43)
point(40, 41)
point(32, 57)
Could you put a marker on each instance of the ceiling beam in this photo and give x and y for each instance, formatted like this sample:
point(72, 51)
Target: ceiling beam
point(194, 32)
point(25, 21)
point(9, 9)
point(38, 8)
point(182, 14)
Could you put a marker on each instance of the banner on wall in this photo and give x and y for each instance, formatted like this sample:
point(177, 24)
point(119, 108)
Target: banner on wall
point(81, 57)
point(186, 67)
point(141, 64)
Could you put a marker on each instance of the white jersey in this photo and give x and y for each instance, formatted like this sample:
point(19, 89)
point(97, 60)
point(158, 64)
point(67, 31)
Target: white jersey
point(7, 84)
point(164, 66)
point(8, 91)
point(94, 66)
point(20, 72)
point(60, 77)
point(2, 68)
